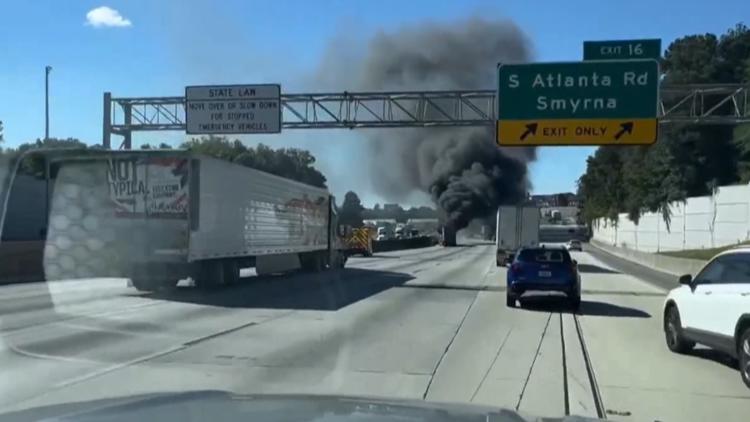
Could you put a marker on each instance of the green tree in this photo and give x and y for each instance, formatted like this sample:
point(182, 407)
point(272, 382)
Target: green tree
point(691, 59)
point(688, 160)
point(733, 55)
point(291, 163)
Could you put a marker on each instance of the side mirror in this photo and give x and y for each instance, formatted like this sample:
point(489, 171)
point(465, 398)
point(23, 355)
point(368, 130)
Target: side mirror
point(575, 263)
point(686, 279)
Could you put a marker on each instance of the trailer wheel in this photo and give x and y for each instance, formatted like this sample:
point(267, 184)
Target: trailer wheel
point(312, 261)
point(231, 272)
point(141, 285)
point(318, 262)
point(210, 274)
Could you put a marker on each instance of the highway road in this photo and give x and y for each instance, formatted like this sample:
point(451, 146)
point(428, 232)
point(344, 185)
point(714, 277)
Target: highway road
point(427, 324)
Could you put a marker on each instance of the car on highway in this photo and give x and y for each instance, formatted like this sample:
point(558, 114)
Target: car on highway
point(574, 245)
point(713, 309)
point(544, 268)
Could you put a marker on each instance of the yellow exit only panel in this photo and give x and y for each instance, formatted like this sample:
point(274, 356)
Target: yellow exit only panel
point(577, 132)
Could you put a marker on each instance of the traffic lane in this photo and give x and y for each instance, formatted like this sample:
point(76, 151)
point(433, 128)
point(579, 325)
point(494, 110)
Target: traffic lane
point(189, 315)
point(387, 344)
point(524, 358)
point(50, 304)
point(649, 275)
point(639, 378)
point(324, 291)
point(33, 296)
point(598, 276)
point(408, 255)
point(29, 304)
point(507, 357)
point(139, 325)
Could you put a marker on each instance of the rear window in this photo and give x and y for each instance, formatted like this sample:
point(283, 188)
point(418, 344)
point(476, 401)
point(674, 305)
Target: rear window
point(544, 256)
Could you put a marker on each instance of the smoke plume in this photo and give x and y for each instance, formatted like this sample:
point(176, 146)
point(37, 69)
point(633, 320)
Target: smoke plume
point(462, 169)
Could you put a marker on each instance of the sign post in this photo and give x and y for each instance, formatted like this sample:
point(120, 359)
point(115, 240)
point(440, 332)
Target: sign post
point(578, 103)
point(622, 49)
point(237, 109)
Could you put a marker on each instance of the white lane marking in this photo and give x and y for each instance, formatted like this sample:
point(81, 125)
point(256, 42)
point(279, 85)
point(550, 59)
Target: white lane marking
point(103, 329)
point(43, 356)
point(34, 327)
point(492, 364)
point(115, 367)
point(169, 350)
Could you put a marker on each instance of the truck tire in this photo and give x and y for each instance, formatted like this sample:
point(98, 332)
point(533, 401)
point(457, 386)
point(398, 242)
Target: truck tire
point(312, 262)
point(210, 274)
point(231, 272)
point(141, 285)
point(316, 262)
point(340, 260)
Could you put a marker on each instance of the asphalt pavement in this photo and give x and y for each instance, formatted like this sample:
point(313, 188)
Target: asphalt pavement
point(426, 323)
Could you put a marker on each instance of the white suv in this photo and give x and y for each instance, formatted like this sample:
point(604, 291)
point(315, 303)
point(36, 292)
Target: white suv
point(713, 309)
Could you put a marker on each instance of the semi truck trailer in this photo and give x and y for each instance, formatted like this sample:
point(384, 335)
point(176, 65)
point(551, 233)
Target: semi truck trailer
point(448, 236)
point(517, 227)
point(157, 217)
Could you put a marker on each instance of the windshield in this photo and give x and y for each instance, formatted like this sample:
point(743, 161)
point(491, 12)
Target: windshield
point(541, 256)
point(472, 202)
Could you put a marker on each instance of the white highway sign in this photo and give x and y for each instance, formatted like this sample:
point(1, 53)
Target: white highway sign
point(234, 109)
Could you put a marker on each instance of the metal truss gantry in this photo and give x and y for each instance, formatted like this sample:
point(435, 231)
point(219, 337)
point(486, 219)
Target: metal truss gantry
point(691, 104)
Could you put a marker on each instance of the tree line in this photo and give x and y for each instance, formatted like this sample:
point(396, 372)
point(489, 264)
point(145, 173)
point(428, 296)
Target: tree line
point(688, 160)
point(291, 163)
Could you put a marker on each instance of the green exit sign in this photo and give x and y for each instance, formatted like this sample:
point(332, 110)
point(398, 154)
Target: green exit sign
point(622, 49)
point(602, 102)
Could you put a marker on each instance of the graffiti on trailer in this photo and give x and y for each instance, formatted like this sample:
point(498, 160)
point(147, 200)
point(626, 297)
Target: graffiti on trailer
point(307, 219)
point(150, 186)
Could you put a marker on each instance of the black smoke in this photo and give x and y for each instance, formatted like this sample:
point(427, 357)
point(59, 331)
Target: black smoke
point(462, 169)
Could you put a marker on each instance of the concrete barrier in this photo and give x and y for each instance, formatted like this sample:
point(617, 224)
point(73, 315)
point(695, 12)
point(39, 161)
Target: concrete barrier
point(667, 264)
point(399, 244)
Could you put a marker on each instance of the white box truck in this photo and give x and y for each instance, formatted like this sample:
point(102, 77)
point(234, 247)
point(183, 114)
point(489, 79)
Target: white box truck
point(160, 216)
point(517, 227)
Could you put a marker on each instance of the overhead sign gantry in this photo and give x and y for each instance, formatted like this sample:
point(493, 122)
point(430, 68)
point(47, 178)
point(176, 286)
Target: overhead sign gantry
point(690, 104)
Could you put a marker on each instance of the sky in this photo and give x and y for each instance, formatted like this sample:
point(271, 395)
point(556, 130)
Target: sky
point(157, 47)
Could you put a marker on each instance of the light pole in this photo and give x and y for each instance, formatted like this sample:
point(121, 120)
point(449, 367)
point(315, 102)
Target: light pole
point(47, 70)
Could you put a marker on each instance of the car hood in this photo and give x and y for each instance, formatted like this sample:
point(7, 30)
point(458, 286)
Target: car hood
point(225, 406)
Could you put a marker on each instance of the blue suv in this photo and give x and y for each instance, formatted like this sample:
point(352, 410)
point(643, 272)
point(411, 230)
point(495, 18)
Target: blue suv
point(544, 269)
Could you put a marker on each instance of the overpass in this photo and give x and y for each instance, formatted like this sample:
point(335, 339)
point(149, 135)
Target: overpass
point(696, 104)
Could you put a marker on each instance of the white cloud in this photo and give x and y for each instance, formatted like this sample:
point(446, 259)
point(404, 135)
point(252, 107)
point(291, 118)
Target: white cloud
point(104, 16)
